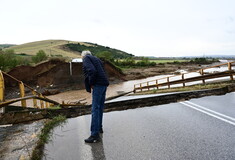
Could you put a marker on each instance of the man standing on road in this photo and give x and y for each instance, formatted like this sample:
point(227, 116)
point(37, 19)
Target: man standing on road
point(97, 82)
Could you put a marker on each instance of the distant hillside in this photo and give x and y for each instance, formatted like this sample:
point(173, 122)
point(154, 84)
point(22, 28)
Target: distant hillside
point(65, 48)
point(51, 47)
point(6, 45)
point(95, 49)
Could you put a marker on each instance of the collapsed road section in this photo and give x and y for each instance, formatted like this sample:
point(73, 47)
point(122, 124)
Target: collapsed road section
point(153, 100)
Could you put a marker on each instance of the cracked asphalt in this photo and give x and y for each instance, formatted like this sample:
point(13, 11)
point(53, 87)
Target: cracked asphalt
point(173, 131)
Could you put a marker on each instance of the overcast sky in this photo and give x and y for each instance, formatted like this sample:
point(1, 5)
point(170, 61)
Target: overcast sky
point(140, 27)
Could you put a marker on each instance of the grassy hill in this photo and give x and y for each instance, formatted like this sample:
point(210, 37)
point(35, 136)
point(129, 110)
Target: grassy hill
point(2, 46)
point(51, 47)
point(64, 48)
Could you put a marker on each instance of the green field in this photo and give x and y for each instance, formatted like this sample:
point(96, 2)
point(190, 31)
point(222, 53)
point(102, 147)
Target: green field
point(168, 60)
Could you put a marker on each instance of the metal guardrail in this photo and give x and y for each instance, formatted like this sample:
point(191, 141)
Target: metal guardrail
point(203, 76)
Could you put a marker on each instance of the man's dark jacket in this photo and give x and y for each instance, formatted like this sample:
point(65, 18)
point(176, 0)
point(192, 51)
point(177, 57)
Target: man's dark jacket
point(94, 72)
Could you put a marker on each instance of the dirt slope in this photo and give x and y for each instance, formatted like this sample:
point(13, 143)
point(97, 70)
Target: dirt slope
point(57, 73)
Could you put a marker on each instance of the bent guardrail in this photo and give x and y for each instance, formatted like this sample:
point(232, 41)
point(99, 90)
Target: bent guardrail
point(44, 102)
point(35, 96)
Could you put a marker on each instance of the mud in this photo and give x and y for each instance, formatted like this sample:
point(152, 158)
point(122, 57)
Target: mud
point(163, 69)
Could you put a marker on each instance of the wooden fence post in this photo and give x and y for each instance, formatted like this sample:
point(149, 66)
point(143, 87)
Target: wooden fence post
point(41, 101)
point(47, 104)
point(168, 81)
point(157, 83)
point(202, 73)
point(2, 87)
point(35, 100)
point(22, 93)
point(183, 79)
point(230, 68)
point(2, 91)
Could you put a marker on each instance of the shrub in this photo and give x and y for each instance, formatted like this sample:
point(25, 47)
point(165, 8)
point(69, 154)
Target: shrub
point(8, 60)
point(130, 62)
point(40, 56)
point(105, 55)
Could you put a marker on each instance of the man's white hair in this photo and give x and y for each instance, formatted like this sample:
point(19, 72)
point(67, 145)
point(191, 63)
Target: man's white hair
point(84, 53)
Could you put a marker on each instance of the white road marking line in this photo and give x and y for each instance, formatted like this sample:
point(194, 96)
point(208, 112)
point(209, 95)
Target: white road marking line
point(204, 108)
point(210, 114)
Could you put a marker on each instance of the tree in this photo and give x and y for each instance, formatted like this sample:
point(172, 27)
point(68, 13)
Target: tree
point(8, 60)
point(40, 56)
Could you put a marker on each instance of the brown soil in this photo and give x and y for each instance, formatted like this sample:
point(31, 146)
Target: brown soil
point(52, 77)
point(165, 69)
point(55, 72)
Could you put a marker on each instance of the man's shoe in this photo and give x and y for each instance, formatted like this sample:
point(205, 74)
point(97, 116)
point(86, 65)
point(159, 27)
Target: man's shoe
point(101, 130)
point(92, 139)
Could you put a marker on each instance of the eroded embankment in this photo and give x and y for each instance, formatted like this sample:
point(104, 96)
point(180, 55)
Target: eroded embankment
point(53, 76)
point(24, 116)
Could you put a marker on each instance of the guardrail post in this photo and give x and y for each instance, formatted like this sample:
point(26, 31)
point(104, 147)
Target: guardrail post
point(35, 100)
point(140, 87)
point(183, 79)
point(168, 81)
point(230, 68)
point(157, 83)
point(202, 73)
point(2, 91)
point(148, 85)
point(22, 93)
point(41, 101)
point(135, 88)
point(2, 87)
point(47, 104)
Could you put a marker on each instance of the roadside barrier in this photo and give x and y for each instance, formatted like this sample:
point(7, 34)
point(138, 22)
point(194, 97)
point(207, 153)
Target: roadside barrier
point(39, 101)
point(199, 75)
point(43, 101)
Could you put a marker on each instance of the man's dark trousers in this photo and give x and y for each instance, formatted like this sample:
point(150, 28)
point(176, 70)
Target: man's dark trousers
point(98, 99)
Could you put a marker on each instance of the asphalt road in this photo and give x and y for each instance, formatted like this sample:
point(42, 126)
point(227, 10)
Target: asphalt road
point(199, 129)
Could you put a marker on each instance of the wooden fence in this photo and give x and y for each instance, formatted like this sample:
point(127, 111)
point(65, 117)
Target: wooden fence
point(39, 101)
point(44, 102)
point(184, 78)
